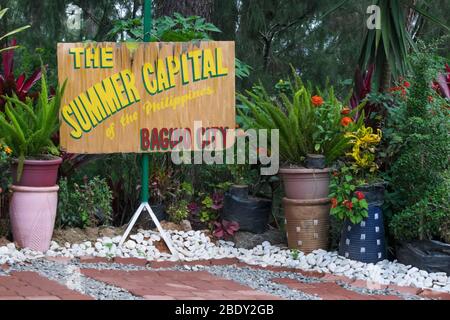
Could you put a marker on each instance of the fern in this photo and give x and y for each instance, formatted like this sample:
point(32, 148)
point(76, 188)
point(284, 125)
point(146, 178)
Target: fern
point(303, 127)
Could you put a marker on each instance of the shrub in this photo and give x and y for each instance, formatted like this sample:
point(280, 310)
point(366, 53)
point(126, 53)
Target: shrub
point(427, 219)
point(418, 146)
point(178, 212)
point(84, 205)
point(418, 138)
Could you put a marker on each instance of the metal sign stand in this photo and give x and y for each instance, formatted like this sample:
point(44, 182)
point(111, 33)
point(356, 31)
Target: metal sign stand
point(145, 160)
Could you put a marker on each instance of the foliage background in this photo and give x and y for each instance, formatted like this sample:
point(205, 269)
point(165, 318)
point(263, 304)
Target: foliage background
point(270, 34)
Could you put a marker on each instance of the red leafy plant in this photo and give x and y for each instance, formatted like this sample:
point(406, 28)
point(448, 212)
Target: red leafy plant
point(363, 87)
point(9, 85)
point(442, 85)
point(225, 229)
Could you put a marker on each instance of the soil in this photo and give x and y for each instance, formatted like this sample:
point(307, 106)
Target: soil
point(4, 242)
point(76, 235)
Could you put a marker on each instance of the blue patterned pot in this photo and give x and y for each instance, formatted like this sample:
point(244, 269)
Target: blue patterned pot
point(365, 241)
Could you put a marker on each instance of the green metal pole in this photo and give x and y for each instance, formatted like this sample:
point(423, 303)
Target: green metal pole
point(147, 20)
point(145, 157)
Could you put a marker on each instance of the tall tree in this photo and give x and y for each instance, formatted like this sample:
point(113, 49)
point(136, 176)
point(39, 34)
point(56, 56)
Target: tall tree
point(201, 8)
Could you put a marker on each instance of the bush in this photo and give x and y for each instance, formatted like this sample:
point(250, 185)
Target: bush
point(85, 205)
point(418, 147)
point(427, 219)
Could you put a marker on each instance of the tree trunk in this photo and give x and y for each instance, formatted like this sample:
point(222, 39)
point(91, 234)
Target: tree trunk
point(386, 77)
point(201, 8)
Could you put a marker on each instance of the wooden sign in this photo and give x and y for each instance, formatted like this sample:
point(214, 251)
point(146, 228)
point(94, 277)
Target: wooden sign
point(129, 98)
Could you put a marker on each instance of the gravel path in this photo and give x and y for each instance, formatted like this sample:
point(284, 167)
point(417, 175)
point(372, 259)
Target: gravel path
point(69, 275)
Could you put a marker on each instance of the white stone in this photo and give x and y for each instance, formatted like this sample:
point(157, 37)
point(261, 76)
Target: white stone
point(4, 250)
point(310, 259)
point(428, 283)
point(130, 244)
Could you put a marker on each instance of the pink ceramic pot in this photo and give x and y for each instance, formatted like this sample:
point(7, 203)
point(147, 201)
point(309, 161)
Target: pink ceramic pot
point(33, 212)
point(306, 184)
point(37, 173)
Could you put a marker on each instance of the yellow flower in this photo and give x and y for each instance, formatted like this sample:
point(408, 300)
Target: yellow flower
point(8, 150)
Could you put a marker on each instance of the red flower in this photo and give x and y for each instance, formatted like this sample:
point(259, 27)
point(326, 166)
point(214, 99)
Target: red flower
point(334, 203)
point(393, 89)
point(317, 101)
point(335, 174)
point(359, 195)
point(348, 204)
point(406, 84)
point(345, 111)
point(430, 99)
point(346, 121)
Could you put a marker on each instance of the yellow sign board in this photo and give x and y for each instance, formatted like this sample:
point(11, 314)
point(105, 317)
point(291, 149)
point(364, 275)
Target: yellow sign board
point(131, 97)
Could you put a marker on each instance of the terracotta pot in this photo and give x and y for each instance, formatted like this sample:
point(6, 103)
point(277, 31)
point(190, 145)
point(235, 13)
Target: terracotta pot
point(33, 212)
point(37, 173)
point(307, 224)
point(306, 184)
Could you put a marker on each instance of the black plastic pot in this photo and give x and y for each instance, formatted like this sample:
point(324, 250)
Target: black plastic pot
point(432, 256)
point(315, 161)
point(251, 213)
point(146, 222)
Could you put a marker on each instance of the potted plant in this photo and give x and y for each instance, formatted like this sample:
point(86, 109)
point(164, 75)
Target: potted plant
point(312, 132)
point(250, 212)
point(27, 128)
point(357, 196)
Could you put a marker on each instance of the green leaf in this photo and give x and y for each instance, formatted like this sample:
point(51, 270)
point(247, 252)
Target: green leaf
point(14, 32)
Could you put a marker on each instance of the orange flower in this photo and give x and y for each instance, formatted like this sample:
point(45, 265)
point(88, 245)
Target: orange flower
point(317, 101)
point(345, 111)
point(8, 150)
point(346, 121)
point(430, 99)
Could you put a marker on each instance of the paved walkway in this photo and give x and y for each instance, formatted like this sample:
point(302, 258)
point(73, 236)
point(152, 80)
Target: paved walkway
point(156, 282)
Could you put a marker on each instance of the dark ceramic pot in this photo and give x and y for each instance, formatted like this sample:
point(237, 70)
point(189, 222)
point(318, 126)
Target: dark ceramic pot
point(315, 161)
point(365, 241)
point(37, 173)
